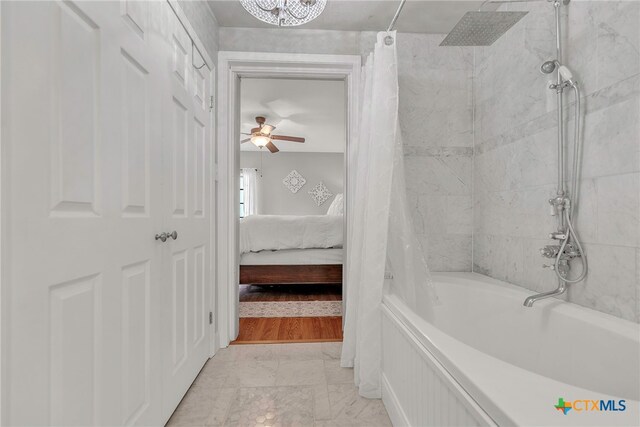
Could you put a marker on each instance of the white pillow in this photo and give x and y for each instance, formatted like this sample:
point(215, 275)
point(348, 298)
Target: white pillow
point(337, 206)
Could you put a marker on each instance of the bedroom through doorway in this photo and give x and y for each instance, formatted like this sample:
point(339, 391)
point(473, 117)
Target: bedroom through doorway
point(292, 227)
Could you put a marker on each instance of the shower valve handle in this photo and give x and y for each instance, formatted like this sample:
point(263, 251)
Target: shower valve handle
point(557, 204)
point(557, 235)
point(550, 251)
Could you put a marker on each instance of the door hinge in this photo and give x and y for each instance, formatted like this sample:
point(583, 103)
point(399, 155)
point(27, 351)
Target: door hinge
point(211, 318)
point(211, 104)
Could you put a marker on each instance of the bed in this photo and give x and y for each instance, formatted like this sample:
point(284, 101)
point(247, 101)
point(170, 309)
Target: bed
point(293, 266)
point(289, 249)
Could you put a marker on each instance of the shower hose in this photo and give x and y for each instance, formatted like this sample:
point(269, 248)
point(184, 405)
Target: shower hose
point(568, 212)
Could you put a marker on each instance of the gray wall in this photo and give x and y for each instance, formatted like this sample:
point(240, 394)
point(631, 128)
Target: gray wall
point(435, 119)
point(204, 23)
point(276, 199)
point(284, 40)
point(515, 152)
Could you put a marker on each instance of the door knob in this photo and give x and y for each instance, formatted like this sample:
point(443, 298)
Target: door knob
point(163, 237)
point(173, 235)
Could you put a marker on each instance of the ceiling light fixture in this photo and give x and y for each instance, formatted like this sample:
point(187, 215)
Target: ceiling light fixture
point(285, 13)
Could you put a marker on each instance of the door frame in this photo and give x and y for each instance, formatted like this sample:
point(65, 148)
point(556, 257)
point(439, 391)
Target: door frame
point(211, 65)
point(232, 66)
point(4, 276)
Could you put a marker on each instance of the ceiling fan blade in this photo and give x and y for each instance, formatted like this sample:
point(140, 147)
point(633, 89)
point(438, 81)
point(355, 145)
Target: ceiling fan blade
point(245, 140)
point(288, 138)
point(271, 147)
point(244, 133)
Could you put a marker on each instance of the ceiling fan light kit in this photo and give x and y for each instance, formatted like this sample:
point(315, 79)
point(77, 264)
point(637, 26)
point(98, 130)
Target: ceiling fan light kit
point(260, 140)
point(285, 13)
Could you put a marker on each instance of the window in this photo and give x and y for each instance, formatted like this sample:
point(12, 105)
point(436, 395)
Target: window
point(241, 195)
point(248, 192)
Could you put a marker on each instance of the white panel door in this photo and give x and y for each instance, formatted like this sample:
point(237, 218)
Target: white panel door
point(139, 171)
point(83, 130)
point(186, 135)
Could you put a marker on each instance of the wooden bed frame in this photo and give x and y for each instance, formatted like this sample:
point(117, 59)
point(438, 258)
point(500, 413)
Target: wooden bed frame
point(290, 274)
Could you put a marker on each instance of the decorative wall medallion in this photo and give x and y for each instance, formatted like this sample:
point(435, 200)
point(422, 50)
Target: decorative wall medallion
point(294, 181)
point(320, 193)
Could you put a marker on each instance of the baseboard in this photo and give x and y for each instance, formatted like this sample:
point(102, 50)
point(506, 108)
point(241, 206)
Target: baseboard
point(215, 344)
point(391, 403)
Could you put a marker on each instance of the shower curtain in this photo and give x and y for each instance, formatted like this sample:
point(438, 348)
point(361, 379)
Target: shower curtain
point(381, 233)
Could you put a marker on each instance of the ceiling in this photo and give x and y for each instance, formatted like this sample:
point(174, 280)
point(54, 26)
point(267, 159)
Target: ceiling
point(418, 16)
point(312, 109)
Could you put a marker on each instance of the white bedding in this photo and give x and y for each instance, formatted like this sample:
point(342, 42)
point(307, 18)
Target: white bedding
point(277, 232)
point(293, 257)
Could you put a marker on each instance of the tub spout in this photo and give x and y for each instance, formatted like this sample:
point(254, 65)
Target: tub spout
point(561, 289)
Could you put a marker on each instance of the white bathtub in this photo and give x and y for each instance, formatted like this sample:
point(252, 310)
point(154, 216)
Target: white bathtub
point(481, 358)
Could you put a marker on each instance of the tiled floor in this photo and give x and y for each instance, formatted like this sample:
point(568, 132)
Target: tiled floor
point(277, 385)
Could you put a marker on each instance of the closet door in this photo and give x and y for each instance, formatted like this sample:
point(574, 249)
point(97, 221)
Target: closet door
point(82, 123)
point(187, 136)
point(139, 89)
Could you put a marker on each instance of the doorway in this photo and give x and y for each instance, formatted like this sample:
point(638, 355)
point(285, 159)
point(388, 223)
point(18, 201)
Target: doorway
point(292, 216)
point(241, 68)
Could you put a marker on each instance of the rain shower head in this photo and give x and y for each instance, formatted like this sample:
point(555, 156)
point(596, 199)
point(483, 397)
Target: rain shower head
point(481, 28)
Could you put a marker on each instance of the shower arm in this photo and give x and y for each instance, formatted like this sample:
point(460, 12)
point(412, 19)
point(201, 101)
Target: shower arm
point(392, 24)
point(486, 2)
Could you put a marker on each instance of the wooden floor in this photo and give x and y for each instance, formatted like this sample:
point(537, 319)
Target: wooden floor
point(249, 293)
point(265, 330)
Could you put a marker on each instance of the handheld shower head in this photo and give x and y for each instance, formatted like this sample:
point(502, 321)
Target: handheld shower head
point(566, 74)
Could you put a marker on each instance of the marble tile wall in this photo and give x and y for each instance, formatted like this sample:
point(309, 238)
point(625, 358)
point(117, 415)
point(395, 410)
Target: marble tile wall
point(435, 118)
point(515, 151)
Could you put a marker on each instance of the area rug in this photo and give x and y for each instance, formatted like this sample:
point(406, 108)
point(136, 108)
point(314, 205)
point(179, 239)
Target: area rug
point(291, 309)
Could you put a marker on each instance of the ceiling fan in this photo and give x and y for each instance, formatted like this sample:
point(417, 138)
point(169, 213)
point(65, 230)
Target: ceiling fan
point(261, 136)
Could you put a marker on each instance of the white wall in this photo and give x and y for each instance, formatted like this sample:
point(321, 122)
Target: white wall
point(515, 152)
point(276, 199)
